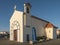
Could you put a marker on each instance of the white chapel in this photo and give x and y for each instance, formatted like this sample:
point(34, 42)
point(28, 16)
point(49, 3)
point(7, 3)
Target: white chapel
point(25, 27)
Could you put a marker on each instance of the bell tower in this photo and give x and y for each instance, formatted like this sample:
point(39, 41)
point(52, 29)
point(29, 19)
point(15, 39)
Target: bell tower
point(27, 14)
point(27, 22)
point(27, 7)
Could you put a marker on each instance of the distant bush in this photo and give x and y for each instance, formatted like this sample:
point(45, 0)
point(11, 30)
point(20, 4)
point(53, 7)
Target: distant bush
point(4, 35)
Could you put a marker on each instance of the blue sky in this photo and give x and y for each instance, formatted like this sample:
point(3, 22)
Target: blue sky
point(45, 9)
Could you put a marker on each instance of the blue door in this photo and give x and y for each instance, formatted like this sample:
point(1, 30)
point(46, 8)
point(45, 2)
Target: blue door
point(34, 34)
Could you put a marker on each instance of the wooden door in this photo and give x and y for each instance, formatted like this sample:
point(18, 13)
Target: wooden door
point(15, 35)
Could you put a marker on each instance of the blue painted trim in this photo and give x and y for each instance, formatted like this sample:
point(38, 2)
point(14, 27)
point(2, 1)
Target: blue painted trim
point(33, 34)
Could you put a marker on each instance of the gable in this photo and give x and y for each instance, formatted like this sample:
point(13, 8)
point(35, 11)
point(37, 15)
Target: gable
point(49, 25)
point(16, 14)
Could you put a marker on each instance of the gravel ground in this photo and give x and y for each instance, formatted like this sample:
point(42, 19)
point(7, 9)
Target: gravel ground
point(51, 42)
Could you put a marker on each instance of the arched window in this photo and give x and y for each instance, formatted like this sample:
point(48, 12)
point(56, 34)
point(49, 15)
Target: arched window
point(16, 25)
point(27, 10)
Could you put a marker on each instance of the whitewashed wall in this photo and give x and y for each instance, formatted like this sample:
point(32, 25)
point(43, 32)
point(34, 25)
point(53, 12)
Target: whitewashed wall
point(39, 25)
point(49, 33)
point(17, 16)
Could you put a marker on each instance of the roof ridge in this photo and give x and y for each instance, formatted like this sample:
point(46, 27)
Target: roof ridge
point(40, 18)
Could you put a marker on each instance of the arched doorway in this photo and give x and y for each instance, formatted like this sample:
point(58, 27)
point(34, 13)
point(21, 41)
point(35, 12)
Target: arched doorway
point(33, 34)
point(15, 28)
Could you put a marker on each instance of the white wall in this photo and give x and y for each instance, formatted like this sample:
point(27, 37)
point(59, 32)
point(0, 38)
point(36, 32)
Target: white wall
point(39, 25)
point(49, 33)
point(17, 16)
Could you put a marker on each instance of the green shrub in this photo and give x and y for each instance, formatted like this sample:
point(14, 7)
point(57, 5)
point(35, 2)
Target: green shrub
point(42, 37)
